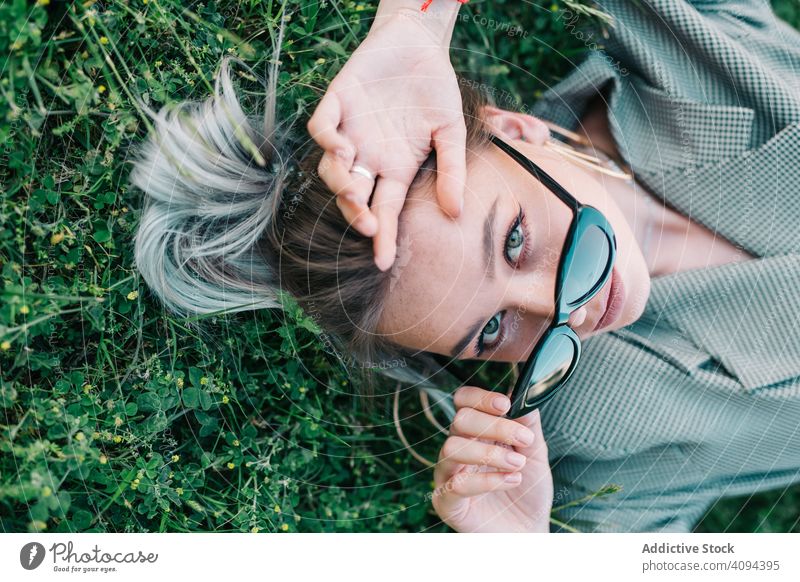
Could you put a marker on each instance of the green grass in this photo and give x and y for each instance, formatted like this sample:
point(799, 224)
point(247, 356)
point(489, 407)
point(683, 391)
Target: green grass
point(117, 416)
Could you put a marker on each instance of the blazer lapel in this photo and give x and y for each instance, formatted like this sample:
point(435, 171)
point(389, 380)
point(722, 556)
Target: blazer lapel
point(746, 315)
point(749, 197)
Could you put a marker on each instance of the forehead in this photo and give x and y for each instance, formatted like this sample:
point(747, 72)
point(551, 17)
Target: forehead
point(436, 280)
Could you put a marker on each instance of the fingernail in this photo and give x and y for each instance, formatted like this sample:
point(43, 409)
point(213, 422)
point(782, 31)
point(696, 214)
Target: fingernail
point(515, 459)
point(513, 477)
point(524, 437)
point(382, 263)
point(500, 403)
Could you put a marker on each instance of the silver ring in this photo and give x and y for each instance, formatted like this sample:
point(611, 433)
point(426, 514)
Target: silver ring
point(363, 171)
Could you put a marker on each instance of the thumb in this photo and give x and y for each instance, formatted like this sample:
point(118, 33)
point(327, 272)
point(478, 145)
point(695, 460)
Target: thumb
point(451, 166)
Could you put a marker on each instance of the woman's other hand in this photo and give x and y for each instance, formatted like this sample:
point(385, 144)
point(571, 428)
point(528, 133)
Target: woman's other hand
point(492, 474)
point(395, 98)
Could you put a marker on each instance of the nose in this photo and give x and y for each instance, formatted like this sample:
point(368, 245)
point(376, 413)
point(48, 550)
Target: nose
point(534, 298)
point(577, 317)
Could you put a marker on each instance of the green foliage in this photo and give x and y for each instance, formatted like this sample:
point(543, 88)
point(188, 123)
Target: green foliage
point(116, 416)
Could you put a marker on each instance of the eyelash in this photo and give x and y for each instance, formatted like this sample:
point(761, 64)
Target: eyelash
point(526, 249)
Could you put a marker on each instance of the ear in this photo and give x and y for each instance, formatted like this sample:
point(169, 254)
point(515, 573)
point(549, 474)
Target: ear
point(514, 125)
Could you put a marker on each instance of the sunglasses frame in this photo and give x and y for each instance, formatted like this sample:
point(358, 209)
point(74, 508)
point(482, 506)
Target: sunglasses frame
point(583, 218)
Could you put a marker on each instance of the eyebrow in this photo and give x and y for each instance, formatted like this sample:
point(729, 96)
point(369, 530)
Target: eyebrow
point(488, 253)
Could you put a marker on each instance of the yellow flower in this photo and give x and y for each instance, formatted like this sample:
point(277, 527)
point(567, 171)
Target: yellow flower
point(171, 475)
point(302, 389)
point(319, 61)
point(43, 2)
point(179, 490)
point(103, 39)
point(225, 399)
point(277, 508)
point(236, 443)
point(79, 436)
point(179, 382)
point(6, 345)
point(254, 530)
point(101, 89)
point(38, 524)
point(133, 295)
point(203, 381)
point(46, 491)
point(103, 459)
point(56, 238)
point(24, 310)
point(285, 526)
point(144, 1)
point(117, 439)
point(231, 465)
point(176, 458)
point(87, 388)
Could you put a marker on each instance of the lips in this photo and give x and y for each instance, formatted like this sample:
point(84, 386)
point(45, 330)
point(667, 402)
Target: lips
point(613, 302)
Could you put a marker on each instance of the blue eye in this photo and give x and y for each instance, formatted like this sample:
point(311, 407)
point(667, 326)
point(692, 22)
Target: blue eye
point(516, 245)
point(492, 334)
point(491, 330)
point(516, 250)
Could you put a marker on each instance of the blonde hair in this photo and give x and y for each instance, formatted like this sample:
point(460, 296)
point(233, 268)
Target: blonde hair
point(236, 218)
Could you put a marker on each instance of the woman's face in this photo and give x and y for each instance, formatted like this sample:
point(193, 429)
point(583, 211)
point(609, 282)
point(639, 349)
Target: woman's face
point(486, 279)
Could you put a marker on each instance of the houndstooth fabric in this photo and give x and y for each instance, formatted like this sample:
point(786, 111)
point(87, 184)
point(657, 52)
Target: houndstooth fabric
point(700, 397)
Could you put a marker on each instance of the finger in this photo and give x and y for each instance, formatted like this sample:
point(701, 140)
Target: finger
point(459, 450)
point(481, 399)
point(323, 124)
point(451, 166)
point(469, 422)
point(387, 203)
point(447, 497)
point(357, 216)
point(335, 172)
point(340, 181)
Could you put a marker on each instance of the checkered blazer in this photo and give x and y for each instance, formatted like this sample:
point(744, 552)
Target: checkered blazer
point(700, 397)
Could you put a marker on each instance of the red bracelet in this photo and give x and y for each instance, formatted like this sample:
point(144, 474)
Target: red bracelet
point(428, 3)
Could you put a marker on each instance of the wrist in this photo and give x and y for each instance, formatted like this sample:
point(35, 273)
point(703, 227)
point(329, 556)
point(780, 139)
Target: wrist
point(438, 18)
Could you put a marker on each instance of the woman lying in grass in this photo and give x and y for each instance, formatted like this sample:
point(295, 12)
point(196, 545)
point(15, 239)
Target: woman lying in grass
point(641, 262)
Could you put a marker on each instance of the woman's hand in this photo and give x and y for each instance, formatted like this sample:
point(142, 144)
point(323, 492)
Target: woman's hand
point(395, 97)
point(492, 474)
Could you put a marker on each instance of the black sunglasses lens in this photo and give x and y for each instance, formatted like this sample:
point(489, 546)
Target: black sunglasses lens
point(589, 260)
point(552, 366)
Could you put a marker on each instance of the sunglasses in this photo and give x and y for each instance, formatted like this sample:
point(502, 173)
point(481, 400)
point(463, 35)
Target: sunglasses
point(584, 267)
